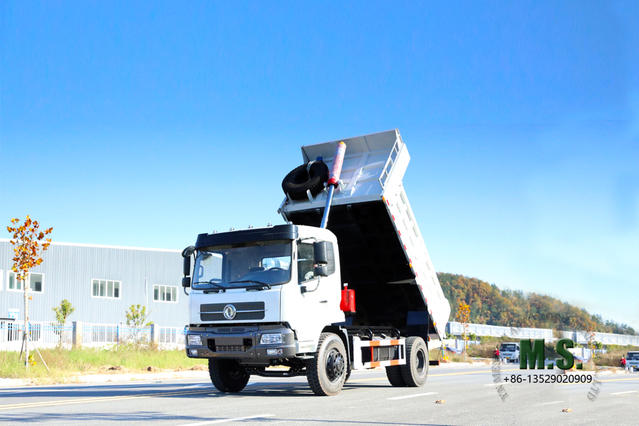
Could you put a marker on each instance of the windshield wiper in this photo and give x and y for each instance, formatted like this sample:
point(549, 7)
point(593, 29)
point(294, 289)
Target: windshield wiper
point(218, 289)
point(259, 286)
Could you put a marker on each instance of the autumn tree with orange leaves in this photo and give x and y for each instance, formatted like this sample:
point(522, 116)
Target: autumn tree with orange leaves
point(463, 315)
point(28, 243)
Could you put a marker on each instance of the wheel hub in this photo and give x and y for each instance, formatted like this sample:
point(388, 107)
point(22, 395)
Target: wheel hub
point(334, 365)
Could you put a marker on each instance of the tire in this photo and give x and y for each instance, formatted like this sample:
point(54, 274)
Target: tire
point(326, 372)
point(395, 377)
point(299, 180)
point(227, 375)
point(415, 372)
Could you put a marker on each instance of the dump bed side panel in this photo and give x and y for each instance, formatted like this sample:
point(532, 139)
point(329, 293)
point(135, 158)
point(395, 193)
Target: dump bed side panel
point(408, 232)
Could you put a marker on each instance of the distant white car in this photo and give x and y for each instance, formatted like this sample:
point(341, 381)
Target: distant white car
point(509, 352)
point(632, 360)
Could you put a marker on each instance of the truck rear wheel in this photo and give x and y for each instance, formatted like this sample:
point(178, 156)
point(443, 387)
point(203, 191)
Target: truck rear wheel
point(394, 375)
point(415, 372)
point(326, 372)
point(227, 375)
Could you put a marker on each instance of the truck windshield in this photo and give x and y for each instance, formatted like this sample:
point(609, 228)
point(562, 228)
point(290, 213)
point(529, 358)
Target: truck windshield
point(508, 348)
point(633, 355)
point(250, 265)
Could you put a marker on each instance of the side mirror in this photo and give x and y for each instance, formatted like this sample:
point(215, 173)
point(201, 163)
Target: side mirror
point(321, 271)
point(320, 252)
point(186, 269)
point(186, 282)
point(186, 254)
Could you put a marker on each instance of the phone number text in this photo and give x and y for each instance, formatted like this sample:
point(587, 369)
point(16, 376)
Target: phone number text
point(549, 378)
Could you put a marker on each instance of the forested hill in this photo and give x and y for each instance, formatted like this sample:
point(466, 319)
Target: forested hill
point(492, 306)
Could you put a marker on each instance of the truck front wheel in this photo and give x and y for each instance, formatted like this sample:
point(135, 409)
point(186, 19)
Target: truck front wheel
point(326, 372)
point(227, 375)
point(415, 372)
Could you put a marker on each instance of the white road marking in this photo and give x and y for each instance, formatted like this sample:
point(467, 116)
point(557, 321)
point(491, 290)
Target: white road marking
point(411, 396)
point(622, 393)
point(548, 403)
point(237, 419)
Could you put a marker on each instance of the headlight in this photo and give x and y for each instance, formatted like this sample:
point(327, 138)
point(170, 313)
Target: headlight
point(270, 339)
point(194, 339)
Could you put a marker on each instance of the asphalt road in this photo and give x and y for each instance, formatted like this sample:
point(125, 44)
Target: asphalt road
point(471, 398)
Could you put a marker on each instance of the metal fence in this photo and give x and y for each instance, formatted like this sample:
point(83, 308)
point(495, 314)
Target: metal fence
point(171, 336)
point(100, 334)
point(51, 334)
point(581, 337)
point(45, 335)
point(457, 329)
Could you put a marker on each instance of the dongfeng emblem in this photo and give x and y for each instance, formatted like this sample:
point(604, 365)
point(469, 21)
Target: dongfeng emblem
point(229, 312)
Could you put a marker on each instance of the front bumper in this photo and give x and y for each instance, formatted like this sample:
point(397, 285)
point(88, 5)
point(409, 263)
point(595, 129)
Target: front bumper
point(240, 342)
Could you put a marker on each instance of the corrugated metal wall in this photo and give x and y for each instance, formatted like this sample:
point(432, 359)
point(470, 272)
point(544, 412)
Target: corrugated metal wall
point(68, 272)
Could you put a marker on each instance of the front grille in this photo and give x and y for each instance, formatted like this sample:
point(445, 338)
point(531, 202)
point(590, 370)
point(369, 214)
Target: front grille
point(230, 348)
point(245, 311)
point(245, 346)
point(227, 330)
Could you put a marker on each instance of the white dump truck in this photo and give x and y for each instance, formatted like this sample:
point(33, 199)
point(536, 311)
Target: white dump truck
point(346, 283)
point(509, 352)
point(632, 360)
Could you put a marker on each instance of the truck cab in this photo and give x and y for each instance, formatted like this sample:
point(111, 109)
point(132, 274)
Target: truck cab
point(265, 283)
point(509, 352)
point(632, 360)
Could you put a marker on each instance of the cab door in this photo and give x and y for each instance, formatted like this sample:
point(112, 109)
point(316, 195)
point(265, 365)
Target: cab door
point(312, 302)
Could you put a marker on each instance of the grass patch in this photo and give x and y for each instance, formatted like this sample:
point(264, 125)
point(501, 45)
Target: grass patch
point(65, 363)
point(449, 356)
point(613, 356)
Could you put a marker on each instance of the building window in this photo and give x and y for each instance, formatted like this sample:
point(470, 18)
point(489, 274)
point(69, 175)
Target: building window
point(12, 283)
point(164, 293)
point(106, 288)
point(35, 280)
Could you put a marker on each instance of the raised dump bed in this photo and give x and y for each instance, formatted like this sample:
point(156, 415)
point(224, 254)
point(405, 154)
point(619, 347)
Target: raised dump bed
point(382, 253)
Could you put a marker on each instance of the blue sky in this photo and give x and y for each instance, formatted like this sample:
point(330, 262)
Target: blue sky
point(143, 124)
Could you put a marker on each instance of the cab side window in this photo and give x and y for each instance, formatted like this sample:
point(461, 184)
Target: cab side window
point(305, 262)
